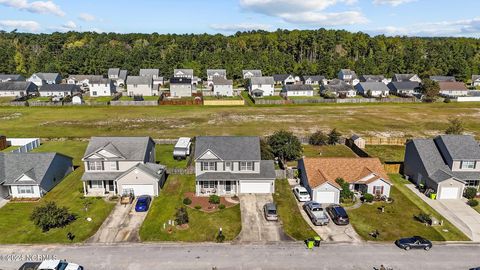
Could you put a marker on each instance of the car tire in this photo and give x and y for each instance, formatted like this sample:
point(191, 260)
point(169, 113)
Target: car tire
point(427, 248)
point(407, 248)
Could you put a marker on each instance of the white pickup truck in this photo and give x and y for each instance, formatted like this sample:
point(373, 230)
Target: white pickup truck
point(51, 265)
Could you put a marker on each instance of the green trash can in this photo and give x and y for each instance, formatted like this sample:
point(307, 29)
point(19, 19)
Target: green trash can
point(317, 240)
point(433, 196)
point(310, 242)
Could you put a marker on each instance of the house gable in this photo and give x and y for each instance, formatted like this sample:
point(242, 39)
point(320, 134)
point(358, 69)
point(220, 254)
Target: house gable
point(209, 155)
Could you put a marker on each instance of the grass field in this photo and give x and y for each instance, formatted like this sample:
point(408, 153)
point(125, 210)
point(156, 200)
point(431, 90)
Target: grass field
point(6, 99)
point(387, 153)
point(164, 155)
point(328, 151)
point(271, 98)
point(306, 97)
point(397, 120)
point(74, 149)
point(145, 98)
point(40, 99)
point(99, 99)
point(202, 226)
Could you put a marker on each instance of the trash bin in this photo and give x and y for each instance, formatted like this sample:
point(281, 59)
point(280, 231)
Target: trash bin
point(317, 240)
point(433, 196)
point(310, 243)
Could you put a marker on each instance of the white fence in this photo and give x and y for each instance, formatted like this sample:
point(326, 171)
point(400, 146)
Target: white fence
point(468, 99)
point(25, 144)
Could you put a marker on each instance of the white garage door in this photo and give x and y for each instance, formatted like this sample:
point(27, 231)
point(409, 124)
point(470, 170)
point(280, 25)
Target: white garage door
point(325, 197)
point(139, 190)
point(448, 193)
point(256, 187)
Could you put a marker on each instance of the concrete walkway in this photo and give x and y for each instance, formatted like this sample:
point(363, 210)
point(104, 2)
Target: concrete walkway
point(3, 202)
point(458, 212)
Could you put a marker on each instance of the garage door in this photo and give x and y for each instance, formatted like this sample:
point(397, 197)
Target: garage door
point(139, 190)
point(325, 197)
point(448, 193)
point(257, 187)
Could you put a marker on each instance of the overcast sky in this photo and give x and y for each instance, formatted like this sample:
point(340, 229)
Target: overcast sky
point(390, 17)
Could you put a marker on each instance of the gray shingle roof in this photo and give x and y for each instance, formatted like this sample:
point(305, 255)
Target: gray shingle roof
point(15, 86)
point(113, 71)
point(221, 81)
point(140, 80)
point(262, 80)
point(11, 77)
point(460, 147)
point(337, 85)
point(84, 77)
point(373, 86)
point(48, 76)
point(217, 72)
point(280, 77)
point(234, 148)
point(71, 88)
point(372, 78)
point(408, 85)
point(123, 74)
point(99, 80)
point(129, 148)
point(184, 72)
point(348, 72)
point(403, 77)
point(92, 176)
point(431, 158)
point(267, 171)
point(297, 87)
point(443, 78)
point(254, 72)
point(316, 78)
point(180, 80)
point(149, 72)
point(475, 77)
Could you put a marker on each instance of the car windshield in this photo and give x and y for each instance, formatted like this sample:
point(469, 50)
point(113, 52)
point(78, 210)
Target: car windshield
point(340, 211)
point(317, 209)
point(142, 202)
point(303, 193)
point(272, 212)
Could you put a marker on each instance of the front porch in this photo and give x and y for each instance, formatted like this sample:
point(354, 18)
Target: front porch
point(100, 188)
point(216, 187)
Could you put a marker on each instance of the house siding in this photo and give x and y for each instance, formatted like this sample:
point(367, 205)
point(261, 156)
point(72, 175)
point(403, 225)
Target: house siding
point(181, 90)
point(102, 90)
point(413, 165)
point(223, 90)
point(386, 187)
point(36, 192)
point(138, 177)
point(140, 90)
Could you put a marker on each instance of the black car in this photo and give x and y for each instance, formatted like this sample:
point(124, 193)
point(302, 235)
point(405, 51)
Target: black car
point(338, 215)
point(29, 266)
point(417, 242)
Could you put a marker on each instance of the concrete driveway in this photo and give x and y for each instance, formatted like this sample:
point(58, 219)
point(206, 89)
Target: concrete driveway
point(254, 226)
point(122, 225)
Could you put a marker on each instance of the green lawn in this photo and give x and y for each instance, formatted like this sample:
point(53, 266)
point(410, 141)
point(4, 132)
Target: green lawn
point(387, 153)
point(292, 221)
point(202, 226)
point(271, 98)
point(327, 151)
point(99, 99)
point(74, 149)
point(306, 97)
point(247, 98)
point(6, 99)
point(145, 98)
point(10, 149)
point(398, 220)
point(40, 99)
point(164, 155)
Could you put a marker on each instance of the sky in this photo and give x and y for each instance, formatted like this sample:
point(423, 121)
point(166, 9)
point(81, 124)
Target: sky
point(389, 17)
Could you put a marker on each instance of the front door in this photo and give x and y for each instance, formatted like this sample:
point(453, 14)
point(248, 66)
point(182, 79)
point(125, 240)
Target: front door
point(228, 186)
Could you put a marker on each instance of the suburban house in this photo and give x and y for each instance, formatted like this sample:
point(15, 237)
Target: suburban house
point(407, 88)
point(228, 166)
point(250, 73)
point(11, 77)
point(155, 74)
point(31, 175)
point(443, 78)
point(58, 90)
point(297, 90)
point(475, 80)
point(82, 80)
point(180, 87)
point(284, 79)
point(40, 79)
point(445, 164)
point(118, 76)
point(141, 86)
point(314, 80)
point(348, 76)
point(372, 89)
point(262, 86)
point(319, 175)
point(453, 89)
point(183, 73)
point(17, 89)
point(215, 73)
point(374, 78)
point(122, 165)
point(101, 87)
point(222, 87)
point(338, 88)
point(406, 78)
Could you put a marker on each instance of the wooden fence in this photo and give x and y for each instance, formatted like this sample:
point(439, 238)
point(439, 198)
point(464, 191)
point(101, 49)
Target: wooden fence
point(181, 171)
point(356, 100)
point(385, 141)
point(224, 102)
point(271, 102)
point(357, 150)
point(393, 167)
point(134, 103)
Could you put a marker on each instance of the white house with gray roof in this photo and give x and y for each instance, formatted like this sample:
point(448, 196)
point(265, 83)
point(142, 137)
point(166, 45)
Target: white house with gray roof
point(215, 73)
point(406, 77)
point(17, 89)
point(101, 87)
point(141, 86)
point(58, 90)
point(349, 76)
point(155, 74)
point(118, 76)
point(445, 164)
point(314, 80)
point(40, 79)
point(250, 73)
point(338, 88)
point(261, 86)
point(374, 89)
point(11, 77)
point(229, 165)
point(122, 165)
point(475, 80)
point(31, 175)
point(222, 87)
point(297, 90)
point(82, 80)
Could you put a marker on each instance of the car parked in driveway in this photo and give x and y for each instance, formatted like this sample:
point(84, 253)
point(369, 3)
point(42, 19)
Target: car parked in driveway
point(316, 213)
point(338, 214)
point(143, 203)
point(270, 211)
point(416, 242)
point(301, 193)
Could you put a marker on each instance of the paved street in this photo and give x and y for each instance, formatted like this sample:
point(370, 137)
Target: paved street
point(228, 256)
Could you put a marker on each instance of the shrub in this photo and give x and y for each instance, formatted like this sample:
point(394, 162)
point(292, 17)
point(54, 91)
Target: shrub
point(214, 199)
point(221, 206)
point(220, 237)
point(181, 217)
point(368, 197)
point(447, 100)
point(51, 216)
point(345, 193)
point(198, 207)
point(424, 218)
point(318, 138)
point(334, 137)
point(470, 193)
point(187, 201)
point(472, 202)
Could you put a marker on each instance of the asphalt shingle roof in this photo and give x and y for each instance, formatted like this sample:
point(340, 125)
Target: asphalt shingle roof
point(297, 87)
point(113, 71)
point(129, 148)
point(48, 76)
point(221, 81)
point(461, 147)
point(262, 80)
point(149, 72)
point(372, 78)
point(408, 85)
point(443, 78)
point(14, 86)
point(12, 77)
point(234, 148)
point(403, 77)
point(254, 72)
point(373, 86)
point(140, 80)
point(181, 71)
point(217, 72)
point(71, 88)
point(180, 80)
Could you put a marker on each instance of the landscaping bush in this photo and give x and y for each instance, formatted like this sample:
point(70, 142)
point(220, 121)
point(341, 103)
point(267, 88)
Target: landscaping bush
point(424, 218)
point(181, 217)
point(198, 207)
point(318, 138)
point(368, 198)
point(51, 216)
point(187, 201)
point(470, 193)
point(214, 199)
point(221, 206)
point(447, 100)
point(472, 202)
point(334, 137)
point(345, 194)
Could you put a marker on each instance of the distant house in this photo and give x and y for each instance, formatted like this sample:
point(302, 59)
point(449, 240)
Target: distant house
point(314, 80)
point(82, 80)
point(215, 73)
point(443, 78)
point(358, 141)
point(453, 89)
point(222, 87)
point(284, 79)
point(17, 89)
point(297, 90)
point(407, 88)
point(118, 76)
point(40, 79)
point(180, 87)
point(31, 175)
point(249, 73)
point(183, 73)
point(365, 175)
point(155, 74)
point(475, 80)
point(348, 76)
point(338, 88)
point(261, 86)
point(374, 78)
point(101, 87)
point(58, 90)
point(11, 77)
point(141, 86)
point(406, 78)
point(374, 89)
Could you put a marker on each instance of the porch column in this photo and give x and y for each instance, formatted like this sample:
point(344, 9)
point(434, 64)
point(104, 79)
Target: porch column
point(115, 187)
point(103, 186)
point(84, 188)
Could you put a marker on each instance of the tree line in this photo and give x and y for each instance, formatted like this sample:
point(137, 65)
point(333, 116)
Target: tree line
point(303, 52)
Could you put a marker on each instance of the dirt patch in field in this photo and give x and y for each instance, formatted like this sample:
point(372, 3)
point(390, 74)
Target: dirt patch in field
point(10, 116)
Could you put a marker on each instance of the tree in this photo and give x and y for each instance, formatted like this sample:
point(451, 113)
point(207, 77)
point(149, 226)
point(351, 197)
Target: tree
point(181, 217)
point(430, 89)
point(334, 137)
point(470, 193)
point(318, 138)
point(369, 93)
point(455, 127)
point(51, 216)
point(345, 193)
point(285, 145)
point(266, 151)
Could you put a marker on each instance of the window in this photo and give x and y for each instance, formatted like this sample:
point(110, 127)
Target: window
point(113, 166)
point(96, 184)
point(209, 184)
point(228, 166)
point(94, 93)
point(95, 166)
point(467, 165)
point(378, 190)
point(209, 166)
point(25, 189)
point(246, 166)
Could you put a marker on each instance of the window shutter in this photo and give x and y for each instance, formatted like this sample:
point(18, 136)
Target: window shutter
point(253, 165)
point(215, 166)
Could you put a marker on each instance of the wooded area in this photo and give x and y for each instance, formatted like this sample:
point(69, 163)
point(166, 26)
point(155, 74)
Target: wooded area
point(306, 52)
